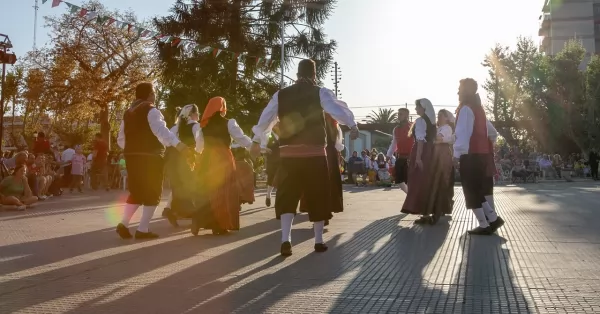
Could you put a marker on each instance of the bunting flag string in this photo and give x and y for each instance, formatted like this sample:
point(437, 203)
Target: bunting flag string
point(150, 34)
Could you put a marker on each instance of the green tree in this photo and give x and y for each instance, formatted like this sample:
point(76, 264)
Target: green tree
point(239, 26)
point(382, 115)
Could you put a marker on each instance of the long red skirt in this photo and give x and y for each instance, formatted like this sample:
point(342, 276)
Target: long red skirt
point(218, 190)
point(418, 181)
point(245, 179)
point(441, 189)
point(336, 201)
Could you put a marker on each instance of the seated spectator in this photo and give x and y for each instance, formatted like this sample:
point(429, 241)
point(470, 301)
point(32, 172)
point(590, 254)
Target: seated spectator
point(15, 190)
point(519, 170)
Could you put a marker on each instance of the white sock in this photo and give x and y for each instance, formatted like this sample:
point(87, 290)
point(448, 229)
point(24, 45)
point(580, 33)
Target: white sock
point(286, 227)
point(170, 201)
point(489, 211)
point(319, 226)
point(480, 215)
point(490, 200)
point(128, 213)
point(146, 217)
point(269, 191)
point(404, 187)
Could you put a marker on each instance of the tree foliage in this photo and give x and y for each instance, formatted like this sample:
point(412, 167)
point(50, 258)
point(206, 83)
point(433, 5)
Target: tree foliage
point(249, 26)
point(382, 115)
point(546, 100)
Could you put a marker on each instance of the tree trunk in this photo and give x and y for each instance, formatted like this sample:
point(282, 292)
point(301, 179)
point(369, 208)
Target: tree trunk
point(105, 124)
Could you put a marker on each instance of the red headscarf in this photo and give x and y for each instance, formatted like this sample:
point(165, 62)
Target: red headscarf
point(215, 105)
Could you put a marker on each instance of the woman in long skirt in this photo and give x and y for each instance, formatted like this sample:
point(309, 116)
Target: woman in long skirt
point(218, 194)
point(180, 168)
point(441, 190)
point(244, 173)
point(424, 132)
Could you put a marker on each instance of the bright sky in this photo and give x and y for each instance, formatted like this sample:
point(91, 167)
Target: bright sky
point(391, 51)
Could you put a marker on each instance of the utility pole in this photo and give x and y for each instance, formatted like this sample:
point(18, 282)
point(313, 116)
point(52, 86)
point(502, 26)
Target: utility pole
point(35, 18)
point(337, 77)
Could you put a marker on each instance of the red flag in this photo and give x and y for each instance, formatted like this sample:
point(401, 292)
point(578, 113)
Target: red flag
point(55, 3)
point(175, 42)
point(83, 12)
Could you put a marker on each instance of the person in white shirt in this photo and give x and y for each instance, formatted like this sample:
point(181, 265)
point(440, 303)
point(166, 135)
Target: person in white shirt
point(143, 136)
point(474, 150)
point(66, 157)
point(441, 186)
point(424, 132)
point(179, 171)
point(300, 110)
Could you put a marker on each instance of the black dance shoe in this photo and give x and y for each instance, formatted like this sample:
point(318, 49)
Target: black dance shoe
point(423, 220)
point(286, 248)
point(320, 247)
point(123, 232)
point(170, 217)
point(166, 211)
point(434, 220)
point(219, 231)
point(145, 235)
point(268, 202)
point(499, 222)
point(481, 231)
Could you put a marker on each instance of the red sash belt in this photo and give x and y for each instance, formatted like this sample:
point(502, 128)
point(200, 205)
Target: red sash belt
point(301, 151)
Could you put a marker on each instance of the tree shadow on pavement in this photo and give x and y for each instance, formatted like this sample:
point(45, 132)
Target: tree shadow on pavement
point(129, 267)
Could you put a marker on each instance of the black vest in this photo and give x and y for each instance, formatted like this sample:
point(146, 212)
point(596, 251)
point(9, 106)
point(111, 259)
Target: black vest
point(139, 138)
point(301, 117)
point(186, 134)
point(216, 132)
point(430, 131)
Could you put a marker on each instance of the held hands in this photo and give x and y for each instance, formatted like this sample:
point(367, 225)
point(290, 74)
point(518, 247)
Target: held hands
point(354, 133)
point(255, 150)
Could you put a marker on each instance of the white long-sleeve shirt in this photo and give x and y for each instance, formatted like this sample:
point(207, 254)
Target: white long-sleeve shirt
point(236, 133)
point(464, 130)
point(337, 109)
point(197, 131)
point(446, 132)
point(159, 129)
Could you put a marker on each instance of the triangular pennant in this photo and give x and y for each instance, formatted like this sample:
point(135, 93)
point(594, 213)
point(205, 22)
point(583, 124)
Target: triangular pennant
point(56, 3)
point(83, 12)
point(217, 52)
point(73, 8)
point(258, 60)
point(146, 33)
point(44, 1)
point(182, 43)
point(110, 21)
point(124, 25)
point(175, 42)
point(91, 15)
point(101, 20)
point(139, 31)
point(237, 55)
point(129, 26)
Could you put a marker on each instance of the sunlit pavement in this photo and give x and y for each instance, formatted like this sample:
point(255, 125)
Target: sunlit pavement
point(64, 257)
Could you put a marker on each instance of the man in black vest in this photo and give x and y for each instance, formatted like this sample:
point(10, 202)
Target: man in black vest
point(143, 136)
point(300, 111)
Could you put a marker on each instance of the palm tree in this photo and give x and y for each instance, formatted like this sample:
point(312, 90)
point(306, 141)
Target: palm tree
point(383, 115)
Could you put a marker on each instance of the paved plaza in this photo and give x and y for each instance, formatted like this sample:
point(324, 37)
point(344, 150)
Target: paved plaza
point(64, 257)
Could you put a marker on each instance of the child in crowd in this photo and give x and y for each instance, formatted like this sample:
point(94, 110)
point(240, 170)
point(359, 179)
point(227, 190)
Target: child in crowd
point(77, 169)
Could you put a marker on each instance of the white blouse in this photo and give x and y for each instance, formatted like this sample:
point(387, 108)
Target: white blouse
point(446, 132)
point(420, 129)
point(237, 134)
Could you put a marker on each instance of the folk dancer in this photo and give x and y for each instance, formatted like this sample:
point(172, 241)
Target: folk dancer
point(218, 194)
point(272, 163)
point(300, 109)
point(472, 149)
point(441, 187)
point(143, 136)
point(424, 133)
point(402, 144)
point(180, 167)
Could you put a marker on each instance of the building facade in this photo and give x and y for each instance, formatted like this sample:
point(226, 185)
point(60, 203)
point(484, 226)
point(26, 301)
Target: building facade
point(564, 20)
